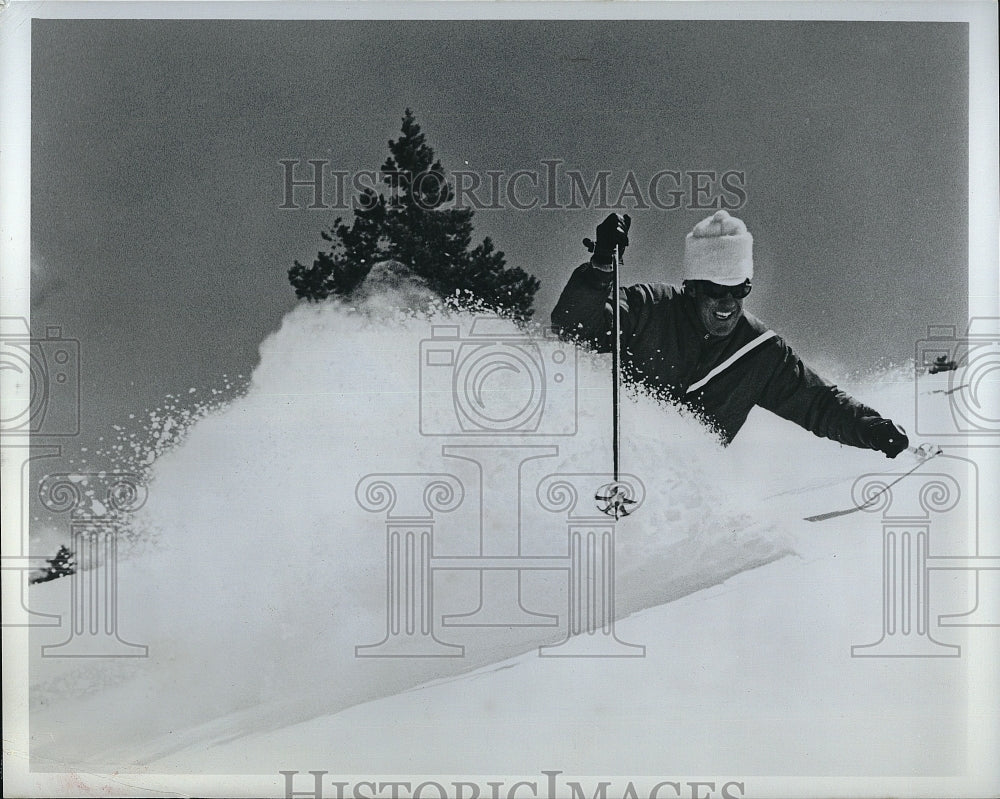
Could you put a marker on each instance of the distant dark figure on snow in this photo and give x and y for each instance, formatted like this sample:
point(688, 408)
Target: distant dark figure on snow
point(942, 364)
point(697, 346)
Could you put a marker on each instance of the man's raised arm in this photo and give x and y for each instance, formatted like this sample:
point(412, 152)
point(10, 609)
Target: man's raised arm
point(584, 307)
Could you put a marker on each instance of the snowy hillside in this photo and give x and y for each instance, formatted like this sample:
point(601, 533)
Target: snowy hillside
point(262, 566)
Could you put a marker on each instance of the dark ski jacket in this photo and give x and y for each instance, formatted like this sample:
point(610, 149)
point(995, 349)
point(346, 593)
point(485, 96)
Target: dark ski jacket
point(666, 347)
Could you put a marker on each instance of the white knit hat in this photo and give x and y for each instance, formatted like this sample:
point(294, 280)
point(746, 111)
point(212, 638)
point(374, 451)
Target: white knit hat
point(719, 249)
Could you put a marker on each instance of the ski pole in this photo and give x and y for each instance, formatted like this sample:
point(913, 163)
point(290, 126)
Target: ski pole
point(616, 354)
point(615, 497)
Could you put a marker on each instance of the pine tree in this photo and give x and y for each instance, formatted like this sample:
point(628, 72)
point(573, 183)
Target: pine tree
point(409, 224)
point(62, 565)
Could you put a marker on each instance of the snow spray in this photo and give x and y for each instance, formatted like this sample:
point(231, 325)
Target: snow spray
point(262, 576)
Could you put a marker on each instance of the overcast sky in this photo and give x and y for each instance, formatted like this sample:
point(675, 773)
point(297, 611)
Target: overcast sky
point(158, 241)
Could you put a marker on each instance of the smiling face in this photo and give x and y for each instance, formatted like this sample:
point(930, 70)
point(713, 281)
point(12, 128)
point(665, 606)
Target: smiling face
point(719, 307)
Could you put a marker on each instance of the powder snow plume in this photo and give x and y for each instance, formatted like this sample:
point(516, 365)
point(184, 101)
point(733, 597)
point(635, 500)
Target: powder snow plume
point(261, 572)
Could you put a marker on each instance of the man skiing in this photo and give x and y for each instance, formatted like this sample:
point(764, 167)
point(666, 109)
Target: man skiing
point(697, 345)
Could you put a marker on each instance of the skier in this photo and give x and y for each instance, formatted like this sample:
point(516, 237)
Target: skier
point(942, 364)
point(697, 345)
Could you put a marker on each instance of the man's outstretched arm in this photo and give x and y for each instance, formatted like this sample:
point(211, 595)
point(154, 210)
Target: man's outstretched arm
point(795, 392)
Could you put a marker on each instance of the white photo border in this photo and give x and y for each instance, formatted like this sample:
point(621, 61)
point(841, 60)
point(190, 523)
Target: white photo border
point(982, 777)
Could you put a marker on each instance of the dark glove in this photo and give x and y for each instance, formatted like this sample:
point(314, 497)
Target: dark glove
point(885, 436)
point(611, 233)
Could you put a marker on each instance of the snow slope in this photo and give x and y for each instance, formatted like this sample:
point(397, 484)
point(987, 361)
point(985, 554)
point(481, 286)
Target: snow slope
point(259, 573)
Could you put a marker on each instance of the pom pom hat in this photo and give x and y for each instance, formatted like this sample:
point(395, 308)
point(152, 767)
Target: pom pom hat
point(719, 249)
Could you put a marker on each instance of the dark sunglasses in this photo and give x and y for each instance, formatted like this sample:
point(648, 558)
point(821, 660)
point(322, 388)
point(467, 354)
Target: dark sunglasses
point(717, 292)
